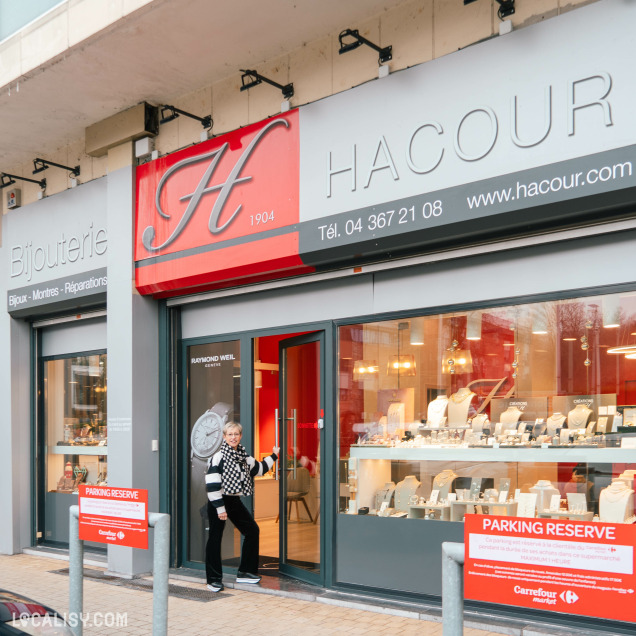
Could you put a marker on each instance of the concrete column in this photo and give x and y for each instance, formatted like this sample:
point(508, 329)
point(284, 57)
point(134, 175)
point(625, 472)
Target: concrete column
point(132, 335)
point(15, 429)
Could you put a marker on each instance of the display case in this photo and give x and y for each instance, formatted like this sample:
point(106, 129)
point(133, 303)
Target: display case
point(521, 410)
point(75, 433)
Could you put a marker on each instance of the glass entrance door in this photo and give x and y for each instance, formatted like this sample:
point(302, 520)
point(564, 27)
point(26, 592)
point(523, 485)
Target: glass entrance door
point(301, 421)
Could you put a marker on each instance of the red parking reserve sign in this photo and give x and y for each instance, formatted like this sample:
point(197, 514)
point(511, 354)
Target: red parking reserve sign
point(118, 516)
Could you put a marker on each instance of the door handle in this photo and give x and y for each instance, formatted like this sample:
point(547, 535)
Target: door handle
point(293, 418)
point(276, 422)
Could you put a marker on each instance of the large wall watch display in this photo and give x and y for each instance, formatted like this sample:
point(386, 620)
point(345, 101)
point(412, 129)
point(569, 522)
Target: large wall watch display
point(213, 399)
point(207, 432)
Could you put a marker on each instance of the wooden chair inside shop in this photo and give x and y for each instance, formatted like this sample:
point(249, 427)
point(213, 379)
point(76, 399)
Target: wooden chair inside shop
point(297, 490)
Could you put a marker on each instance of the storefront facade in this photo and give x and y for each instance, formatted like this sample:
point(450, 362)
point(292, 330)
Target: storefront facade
point(418, 288)
point(56, 299)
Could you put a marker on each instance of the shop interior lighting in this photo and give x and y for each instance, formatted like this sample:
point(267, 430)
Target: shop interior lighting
point(457, 361)
point(249, 79)
point(40, 165)
point(627, 350)
point(473, 326)
point(7, 180)
point(354, 40)
point(403, 365)
point(365, 368)
point(539, 323)
point(417, 332)
point(170, 113)
point(506, 7)
point(611, 312)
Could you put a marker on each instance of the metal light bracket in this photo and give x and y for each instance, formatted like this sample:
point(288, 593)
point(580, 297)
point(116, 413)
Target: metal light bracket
point(386, 53)
point(255, 78)
point(4, 183)
point(506, 7)
point(173, 113)
point(39, 165)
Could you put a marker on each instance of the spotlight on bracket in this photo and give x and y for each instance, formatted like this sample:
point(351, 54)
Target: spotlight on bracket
point(249, 79)
point(386, 53)
point(169, 113)
point(506, 7)
point(40, 165)
point(7, 179)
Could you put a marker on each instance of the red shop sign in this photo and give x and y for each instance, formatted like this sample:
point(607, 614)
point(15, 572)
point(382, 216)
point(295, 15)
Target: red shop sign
point(223, 210)
point(118, 516)
point(575, 567)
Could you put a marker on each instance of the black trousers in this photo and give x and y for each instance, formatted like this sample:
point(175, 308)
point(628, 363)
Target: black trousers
point(240, 516)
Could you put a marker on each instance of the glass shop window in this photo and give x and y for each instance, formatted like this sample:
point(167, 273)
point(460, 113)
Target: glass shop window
point(75, 422)
point(525, 410)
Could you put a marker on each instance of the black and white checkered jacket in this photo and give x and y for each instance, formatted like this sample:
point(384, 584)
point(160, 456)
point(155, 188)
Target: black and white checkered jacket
point(214, 480)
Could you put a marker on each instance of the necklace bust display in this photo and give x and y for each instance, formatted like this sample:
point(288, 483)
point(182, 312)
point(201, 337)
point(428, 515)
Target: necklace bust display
point(461, 395)
point(443, 482)
point(616, 502)
point(459, 406)
point(578, 416)
point(479, 421)
point(510, 416)
point(554, 422)
point(436, 411)
point(544, 491)
point(404, 491)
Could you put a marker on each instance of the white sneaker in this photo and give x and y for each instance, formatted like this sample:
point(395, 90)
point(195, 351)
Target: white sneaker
point(215, 586)
point(247, 577)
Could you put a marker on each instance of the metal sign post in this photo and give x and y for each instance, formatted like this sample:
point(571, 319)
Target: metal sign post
point(160, 568)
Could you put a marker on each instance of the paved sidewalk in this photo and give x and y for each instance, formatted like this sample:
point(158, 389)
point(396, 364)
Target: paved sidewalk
point(232, 612)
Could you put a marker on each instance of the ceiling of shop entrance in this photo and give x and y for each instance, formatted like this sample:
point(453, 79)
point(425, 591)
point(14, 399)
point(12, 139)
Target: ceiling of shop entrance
point(160, 52)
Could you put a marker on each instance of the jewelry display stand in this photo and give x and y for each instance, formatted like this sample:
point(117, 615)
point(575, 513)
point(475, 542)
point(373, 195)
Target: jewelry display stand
point(385, 494)
point(436, 412)
point(566, 514)
point(443, 482)
point(404, 491)
point(555, 422)
point(459, 509)
point(510, 417)
point(544, 490)
point(479, 422)
point(423, 511)
point(616, 502)
point(395, 419)
point(459, 405)
point(578, 416)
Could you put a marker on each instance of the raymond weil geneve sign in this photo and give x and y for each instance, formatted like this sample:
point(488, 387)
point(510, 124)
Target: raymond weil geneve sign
point(460, 147)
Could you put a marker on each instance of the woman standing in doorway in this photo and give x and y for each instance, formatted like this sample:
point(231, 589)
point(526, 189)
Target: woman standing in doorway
point(231, 475)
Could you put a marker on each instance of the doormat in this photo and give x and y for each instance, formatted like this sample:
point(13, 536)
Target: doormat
point(178, 591)
point(267, 566)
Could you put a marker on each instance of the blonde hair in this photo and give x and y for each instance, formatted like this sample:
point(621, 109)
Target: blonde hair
point(230, 425)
